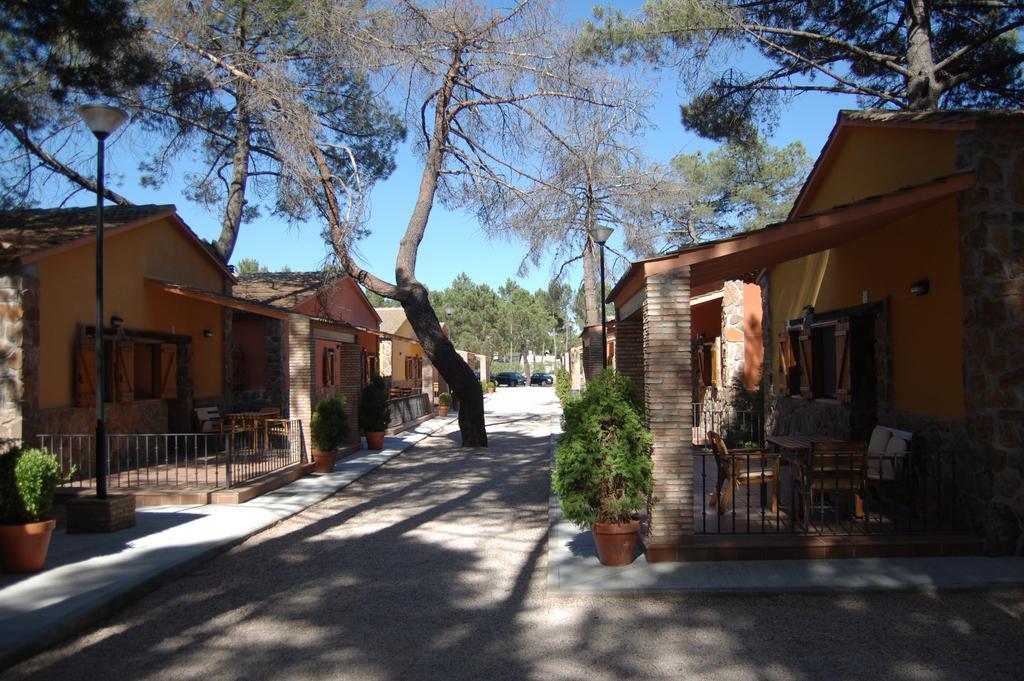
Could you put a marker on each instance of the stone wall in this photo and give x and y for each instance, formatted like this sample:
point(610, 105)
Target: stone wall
point(992, 280)
point(141, 416)
point(667, 386)
point(19, 354)
point(385, 357)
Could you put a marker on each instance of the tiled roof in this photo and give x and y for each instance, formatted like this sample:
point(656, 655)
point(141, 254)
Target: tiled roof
point(939, 116)
point(282, 289)
point(23, 232)
point(392, 318)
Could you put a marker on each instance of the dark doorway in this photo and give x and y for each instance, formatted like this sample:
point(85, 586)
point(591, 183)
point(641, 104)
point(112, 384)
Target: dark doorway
point(863, 377)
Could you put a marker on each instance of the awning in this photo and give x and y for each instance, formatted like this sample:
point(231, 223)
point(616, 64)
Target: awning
point(216, 299)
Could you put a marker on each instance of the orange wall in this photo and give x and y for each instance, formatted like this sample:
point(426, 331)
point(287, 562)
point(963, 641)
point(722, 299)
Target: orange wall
point(344, 301)
point(250, 334)
point(706, 318)
point(753, 343)
point(158, 250)
point(872, 160)
point(926, 331)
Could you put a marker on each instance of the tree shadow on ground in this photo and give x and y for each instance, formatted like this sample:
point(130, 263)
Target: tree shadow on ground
point(434, 568)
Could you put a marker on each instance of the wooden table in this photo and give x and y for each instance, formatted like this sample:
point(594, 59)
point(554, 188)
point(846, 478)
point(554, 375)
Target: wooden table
point(797, 443)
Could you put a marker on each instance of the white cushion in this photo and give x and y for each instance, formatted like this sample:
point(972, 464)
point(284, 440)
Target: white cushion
point(879, 439)
point(896, 445)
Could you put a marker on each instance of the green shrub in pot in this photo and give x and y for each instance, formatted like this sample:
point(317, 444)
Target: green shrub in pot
point(374, 408)
point(329, 427)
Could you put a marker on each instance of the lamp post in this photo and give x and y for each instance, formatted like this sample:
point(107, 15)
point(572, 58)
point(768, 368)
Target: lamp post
point(601, 235)
point(449, 311)
point(102, 120)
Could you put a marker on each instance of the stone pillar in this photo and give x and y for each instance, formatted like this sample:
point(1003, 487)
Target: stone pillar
point(629, 348)
point(385, 356)
point(992, 280)
point(19, 363)
point(732, 335)
point(301, 383)
point(667, 397)
point(485, 367)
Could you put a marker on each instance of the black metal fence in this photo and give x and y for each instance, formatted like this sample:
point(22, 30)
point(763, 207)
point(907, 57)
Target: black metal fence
point(181, 460)
point(828, 493)
point(736, 426)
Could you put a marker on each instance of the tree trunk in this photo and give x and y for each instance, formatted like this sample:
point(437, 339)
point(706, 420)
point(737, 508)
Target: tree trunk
point(590, 284)
point(525, 354)
point(923, 86)
point(449, 364)
point(239, 176)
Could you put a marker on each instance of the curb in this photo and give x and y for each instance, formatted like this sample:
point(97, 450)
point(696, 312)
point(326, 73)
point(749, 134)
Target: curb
point(57, 621)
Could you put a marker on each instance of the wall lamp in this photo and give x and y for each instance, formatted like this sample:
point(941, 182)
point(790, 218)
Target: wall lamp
point(808, 310)
point(207, 333)
point(116, 322)
point(920, 287)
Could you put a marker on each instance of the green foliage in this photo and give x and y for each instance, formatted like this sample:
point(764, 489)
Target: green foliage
point(329, 426)
point(852, 48)
point(28, 481)
point(250, 266)
point(492, 385)
point(563, 383)
point(445, 399)
point(374, 409)
point(603, 467)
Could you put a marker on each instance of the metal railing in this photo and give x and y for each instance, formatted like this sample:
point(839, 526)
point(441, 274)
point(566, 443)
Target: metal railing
point(737, 426)
point(181, 460)
point(841, 493)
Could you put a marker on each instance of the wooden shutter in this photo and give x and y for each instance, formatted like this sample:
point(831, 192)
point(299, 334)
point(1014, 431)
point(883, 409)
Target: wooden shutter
point(716, 362)
point(85, 372)
point(238, 373)
point(843, 350)
point(786, 362)
point(168, 384)
point(702, 369)
point(806, 362)
point(124, 371)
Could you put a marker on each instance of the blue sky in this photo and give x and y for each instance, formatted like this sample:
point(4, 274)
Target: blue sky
point(453, 242)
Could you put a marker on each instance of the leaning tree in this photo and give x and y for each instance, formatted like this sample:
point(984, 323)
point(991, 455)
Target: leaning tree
point(905, 54)
point(485, 90)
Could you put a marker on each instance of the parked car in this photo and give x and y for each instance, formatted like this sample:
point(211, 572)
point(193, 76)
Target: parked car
point(542, 379)
point(510, 378)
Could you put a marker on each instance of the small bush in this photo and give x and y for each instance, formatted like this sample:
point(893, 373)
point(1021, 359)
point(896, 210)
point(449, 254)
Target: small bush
point(603, 468)
point(329, 426)
point(492, 385)
point(445, 399)
point(563, 384)
point(28, 482)
point(374, 409)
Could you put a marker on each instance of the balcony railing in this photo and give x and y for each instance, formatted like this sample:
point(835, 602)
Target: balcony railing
point(828, 494)
point(181, 460)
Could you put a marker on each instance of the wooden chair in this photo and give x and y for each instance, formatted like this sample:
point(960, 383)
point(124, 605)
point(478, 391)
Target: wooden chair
point(734, 468)
point(834, 468)
point(207, 419)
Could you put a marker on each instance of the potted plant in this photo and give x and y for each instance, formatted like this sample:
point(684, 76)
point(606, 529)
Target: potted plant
point(563, 383)
point(444, 402)
point(374, 412)
point(492, 386)
point(28, 481)
point(603, 468)
point(328, 430)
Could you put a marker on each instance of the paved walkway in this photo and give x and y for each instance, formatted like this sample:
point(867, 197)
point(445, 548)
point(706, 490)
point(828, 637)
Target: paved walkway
point(435, 566)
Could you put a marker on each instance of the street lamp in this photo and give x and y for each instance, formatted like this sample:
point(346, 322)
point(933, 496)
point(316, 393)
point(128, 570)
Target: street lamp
point(601, 235)
point(102, 120)
point(449, 311)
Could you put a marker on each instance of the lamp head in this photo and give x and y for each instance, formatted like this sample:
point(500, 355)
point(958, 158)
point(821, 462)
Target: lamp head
point(101, 118)
point(601, 234)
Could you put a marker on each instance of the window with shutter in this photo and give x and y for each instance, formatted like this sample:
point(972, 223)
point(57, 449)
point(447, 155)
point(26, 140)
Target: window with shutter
point(805, 360)
point(168, 371)
point(124, 371)
point(85, 372)
point(329, 367)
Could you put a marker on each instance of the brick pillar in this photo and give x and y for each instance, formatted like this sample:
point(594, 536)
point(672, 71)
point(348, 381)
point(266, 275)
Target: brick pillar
point(992, 281)
point(301, 383)
point(629, 348)
point(667, 397)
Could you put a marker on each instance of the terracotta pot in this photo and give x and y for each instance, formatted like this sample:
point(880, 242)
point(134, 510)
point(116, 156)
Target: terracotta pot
point(442, 411)
point(490, 390)
point(616, 543)
point(23, 547)
point(375, 439)
point(324, 460)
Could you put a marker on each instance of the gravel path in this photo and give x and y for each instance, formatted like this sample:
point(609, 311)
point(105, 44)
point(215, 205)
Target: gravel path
point(434, 568)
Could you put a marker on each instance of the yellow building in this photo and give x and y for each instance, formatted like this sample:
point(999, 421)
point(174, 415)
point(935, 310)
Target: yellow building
point(165, 351)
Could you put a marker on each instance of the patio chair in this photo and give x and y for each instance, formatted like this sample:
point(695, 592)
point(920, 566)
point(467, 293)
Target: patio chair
point(734, 469)
point(833, 468)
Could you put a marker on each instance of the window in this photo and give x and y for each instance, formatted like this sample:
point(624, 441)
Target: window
point(134, 369)
point(814, 360)
point(330, 372)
